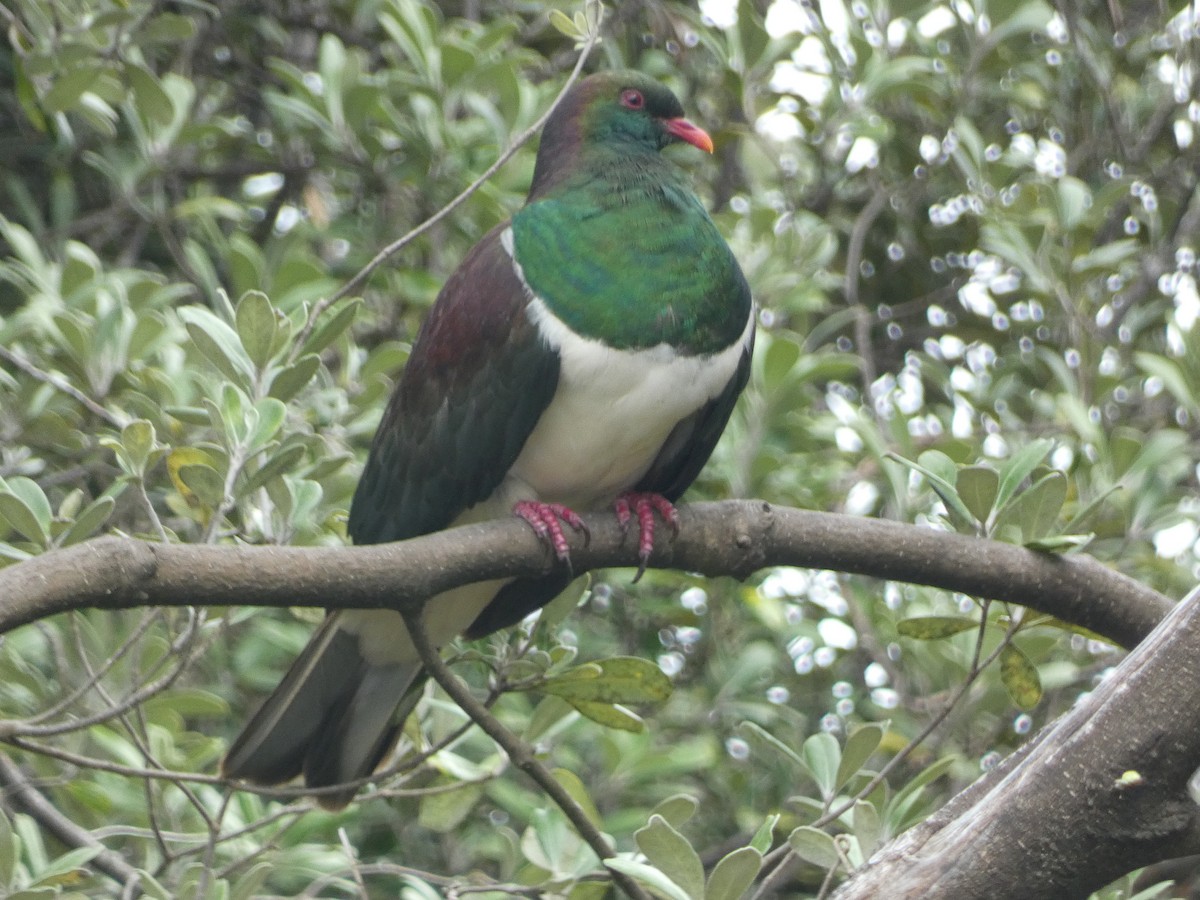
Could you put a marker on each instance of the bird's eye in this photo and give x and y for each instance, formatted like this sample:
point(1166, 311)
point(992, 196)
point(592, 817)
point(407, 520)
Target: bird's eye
point(632, 99)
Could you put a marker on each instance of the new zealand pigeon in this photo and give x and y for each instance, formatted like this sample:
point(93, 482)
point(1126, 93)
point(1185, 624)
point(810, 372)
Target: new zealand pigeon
point(586, 353)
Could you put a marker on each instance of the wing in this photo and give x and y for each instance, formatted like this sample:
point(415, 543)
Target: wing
point(691, 442)
point(477, 381)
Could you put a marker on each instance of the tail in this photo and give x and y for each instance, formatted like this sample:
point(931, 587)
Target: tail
point(333, 717)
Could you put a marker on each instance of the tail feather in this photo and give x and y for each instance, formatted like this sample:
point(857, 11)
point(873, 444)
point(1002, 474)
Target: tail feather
point(364, 731)
point(333, 717)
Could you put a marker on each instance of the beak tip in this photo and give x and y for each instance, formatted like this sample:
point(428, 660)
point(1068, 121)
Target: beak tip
point(684, 130)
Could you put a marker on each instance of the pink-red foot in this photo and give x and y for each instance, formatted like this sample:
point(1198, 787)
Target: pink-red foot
point(644, 505)
point(546, 521)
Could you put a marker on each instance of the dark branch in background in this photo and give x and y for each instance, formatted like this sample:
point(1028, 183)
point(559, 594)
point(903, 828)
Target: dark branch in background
point(19, 794)
point(735, 537)
point(1100, 792)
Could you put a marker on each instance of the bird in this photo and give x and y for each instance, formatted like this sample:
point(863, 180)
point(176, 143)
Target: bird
point(587, 353)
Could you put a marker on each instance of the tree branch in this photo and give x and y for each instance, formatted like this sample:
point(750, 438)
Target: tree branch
point(735, 537)
point(23, 795)
point(518, 751)
point(1101, 792)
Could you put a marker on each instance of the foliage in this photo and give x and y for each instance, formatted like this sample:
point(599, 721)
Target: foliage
point(968, 229)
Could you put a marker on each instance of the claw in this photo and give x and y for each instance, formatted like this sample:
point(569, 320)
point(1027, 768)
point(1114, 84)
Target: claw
point(546, 521)
point(644, 505)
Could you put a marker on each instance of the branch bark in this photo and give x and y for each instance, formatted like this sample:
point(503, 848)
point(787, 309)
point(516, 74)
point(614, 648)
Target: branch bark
point(1099, 793)
point(734, 537)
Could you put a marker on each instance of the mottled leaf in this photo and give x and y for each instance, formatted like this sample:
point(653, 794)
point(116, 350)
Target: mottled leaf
point(1020, 677)
point(932, 628)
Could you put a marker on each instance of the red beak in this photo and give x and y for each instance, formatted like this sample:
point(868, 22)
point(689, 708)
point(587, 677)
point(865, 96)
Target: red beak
point(693, 134)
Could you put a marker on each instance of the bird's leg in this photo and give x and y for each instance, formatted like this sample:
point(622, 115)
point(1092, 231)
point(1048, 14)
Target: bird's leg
point(546, 521)
point(644, 505)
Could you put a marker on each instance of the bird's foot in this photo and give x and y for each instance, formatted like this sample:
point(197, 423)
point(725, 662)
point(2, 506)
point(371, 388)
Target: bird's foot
point(546, 521)
point(644, 505)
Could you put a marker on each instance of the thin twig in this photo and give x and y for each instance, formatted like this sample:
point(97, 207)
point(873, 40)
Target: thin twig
point(862, 317)
point(399, 244)
point(518, 751)
point(61, 385)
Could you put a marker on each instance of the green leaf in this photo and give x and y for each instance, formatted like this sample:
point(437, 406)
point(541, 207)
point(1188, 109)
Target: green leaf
point(1074, 200)
point(269, 419)
point(331, 61)
point(167, 28)
point(1060, 543)
point(89, 521)
point(764, 838)
point(563, 23)
point(734, 874)
point(67, 869)
point(579, 793)
point(138, 439)
point(218, 343)
point(26, 509)
point(861, 743)
point(290, 381)
point(70, 85)
point(1020, 677)
point(677, 809)
point(445, 811)
point(1033, 512)
point(867, 826)
point(814, 846)
point(779, 361)
point(822, 756)
point(1020, 467)
point(899, 813)
point(565, 603)
point(329, 331)
point(256, 326)
point(622, 679)
point(670, 853)
point(977, 487)
point(284, 460)
point(756, 733)
point(10, 850)
point(1107, 257)
point(932, 628)
point(649, 876)
point(941, 473)
point(610, 715)
point(189, 457)
point(201, 483)
point(249, 884)
point(191, 702)
point(151, 100)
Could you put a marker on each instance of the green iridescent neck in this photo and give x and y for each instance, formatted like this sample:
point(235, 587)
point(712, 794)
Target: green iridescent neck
point(622, 252)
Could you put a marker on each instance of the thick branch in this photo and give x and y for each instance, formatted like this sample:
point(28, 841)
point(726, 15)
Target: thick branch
point(729, 538)
point(1099, 793)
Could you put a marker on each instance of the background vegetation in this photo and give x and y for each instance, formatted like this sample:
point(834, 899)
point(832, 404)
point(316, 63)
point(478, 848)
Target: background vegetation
point(969, 227)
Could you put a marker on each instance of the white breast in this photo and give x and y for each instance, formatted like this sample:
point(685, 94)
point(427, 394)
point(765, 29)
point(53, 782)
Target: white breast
point(611, 414)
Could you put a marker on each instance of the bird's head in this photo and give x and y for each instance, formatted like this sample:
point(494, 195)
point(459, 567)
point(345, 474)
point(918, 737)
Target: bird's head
point(622, 110)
